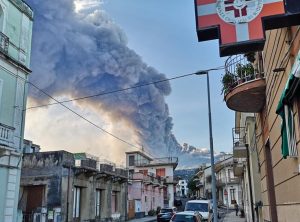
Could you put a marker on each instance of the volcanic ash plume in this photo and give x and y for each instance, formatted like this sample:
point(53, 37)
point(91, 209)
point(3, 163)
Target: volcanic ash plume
point(83, 53)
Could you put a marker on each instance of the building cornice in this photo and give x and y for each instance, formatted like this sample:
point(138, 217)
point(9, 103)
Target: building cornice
point(23, 7)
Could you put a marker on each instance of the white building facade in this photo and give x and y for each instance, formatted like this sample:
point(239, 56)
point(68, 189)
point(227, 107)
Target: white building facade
point(182, 188)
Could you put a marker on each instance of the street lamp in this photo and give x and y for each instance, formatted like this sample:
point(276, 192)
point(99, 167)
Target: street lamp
point(212, 158)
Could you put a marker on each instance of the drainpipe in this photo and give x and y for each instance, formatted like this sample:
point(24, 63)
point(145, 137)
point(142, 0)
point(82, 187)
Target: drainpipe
point(68, 190)
point(250, 183)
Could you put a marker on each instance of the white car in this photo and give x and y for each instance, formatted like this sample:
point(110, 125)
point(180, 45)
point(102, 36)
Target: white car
point(201, 206)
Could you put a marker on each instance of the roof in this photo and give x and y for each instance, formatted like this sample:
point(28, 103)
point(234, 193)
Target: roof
point(198, 201)
point(192, 213)
point(140, 153)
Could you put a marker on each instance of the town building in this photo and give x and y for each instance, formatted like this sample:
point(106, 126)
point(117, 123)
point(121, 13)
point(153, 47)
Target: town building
point(30, 147)
point(246, 165)
point(143, 167)
point(229, 189)
point(200, 176)
point(15, 48)
point(269, 88)
point(182, 188)
point(145, 193)
point(61, 186)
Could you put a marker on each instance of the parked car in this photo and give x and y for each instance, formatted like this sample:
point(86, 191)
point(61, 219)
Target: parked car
point(187, 216)
point(201, 206)
point(166, 214)
point(177, 202)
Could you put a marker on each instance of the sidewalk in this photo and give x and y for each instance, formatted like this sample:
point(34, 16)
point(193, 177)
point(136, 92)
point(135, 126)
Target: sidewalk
point(230, 217)
point(144, 219)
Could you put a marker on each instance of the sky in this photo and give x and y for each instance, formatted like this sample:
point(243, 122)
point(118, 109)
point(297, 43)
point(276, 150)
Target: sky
point(164, 34)
point(122, 43)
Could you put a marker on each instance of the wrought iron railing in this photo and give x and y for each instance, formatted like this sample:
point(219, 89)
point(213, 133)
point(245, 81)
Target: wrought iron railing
point(106, 168)
point(239, 136)
point(121, 172)
point(4, 43)
point(239, 70)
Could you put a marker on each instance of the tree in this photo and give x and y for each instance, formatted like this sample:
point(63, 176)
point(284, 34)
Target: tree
point(192, 184)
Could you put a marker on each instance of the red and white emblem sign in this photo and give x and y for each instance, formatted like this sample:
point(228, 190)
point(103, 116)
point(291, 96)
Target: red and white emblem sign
point(239, 11)
point(237, 23)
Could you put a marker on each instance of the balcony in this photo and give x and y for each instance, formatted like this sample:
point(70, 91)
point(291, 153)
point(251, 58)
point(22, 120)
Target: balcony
point(227, 181)
point(6, 135)
point(106, 168)
point(120, 172)
point(4, 42)
point(157, 162)
point(169, 180)
point(243, 86)
point(240, 148)
point(238, 169)
point(86, 163)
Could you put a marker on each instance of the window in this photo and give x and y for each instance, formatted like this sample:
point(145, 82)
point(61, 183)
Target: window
point(114, 202)
point(229, 173)
point(76, 202)
point(161, 172)
point(97, 203)
point(232, 196)
point(201, 207)
point(131, 160)
point(145, 199)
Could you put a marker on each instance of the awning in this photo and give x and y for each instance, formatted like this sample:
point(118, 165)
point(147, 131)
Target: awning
point(284, 109)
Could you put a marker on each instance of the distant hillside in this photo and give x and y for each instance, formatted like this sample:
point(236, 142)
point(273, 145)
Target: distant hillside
point(185, 174)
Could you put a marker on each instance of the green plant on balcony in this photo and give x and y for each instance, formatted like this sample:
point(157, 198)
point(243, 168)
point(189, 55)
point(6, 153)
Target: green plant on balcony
point(228, 82)
point(245, 72)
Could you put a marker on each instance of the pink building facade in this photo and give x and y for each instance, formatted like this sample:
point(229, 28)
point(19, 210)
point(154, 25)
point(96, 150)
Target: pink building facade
point(151, 183)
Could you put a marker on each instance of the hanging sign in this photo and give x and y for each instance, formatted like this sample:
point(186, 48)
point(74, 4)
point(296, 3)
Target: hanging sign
point(240, 24)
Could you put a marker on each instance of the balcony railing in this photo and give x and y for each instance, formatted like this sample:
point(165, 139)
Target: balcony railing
point(239, 142)
point(106, 168)
point(4, 42)
point(227, 181)
point(121, 172)
point(6, 135)
point(243, 85)
point(86, 163)
point(157, 161)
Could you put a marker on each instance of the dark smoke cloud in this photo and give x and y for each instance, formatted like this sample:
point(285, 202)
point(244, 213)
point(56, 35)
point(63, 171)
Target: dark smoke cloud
point(83, 54)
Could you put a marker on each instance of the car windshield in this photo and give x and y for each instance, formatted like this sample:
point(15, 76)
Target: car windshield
point(201, 207)
point(184, 218)
point(166, 210)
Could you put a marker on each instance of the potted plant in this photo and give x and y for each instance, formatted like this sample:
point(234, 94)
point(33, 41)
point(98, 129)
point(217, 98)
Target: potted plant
point(227, 81)
point(244, 72)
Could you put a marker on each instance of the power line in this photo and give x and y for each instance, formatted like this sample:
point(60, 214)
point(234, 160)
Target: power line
point(82, 117)
point(121, 90)
point(105, 93)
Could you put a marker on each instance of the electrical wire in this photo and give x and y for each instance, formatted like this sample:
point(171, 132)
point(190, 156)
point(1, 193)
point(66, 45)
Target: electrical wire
point(82, 117)
point(121, 90)
point(95, 125)
point(105, 93)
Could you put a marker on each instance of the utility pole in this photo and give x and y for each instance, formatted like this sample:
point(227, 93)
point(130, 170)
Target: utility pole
point(211, 143)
